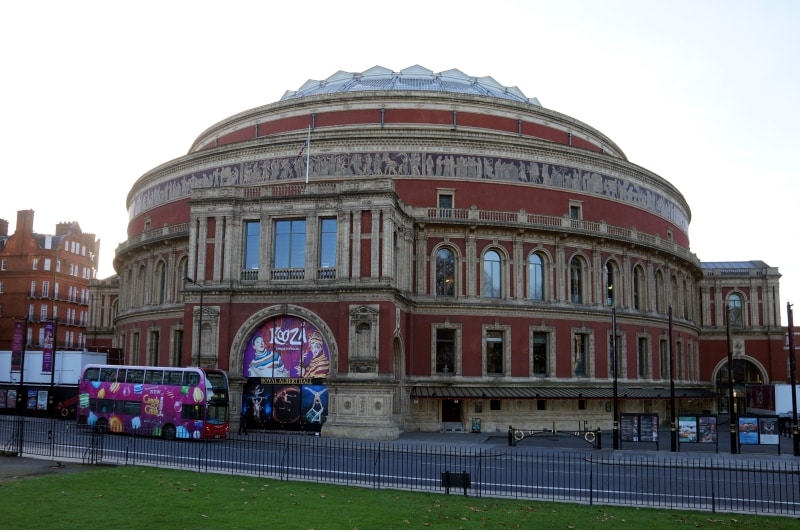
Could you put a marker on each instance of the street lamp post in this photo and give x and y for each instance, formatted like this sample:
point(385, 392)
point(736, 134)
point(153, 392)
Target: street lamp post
point(615, 424)
point(731, 395)
point(793, 381)
point(673, 412)
point(199, 318)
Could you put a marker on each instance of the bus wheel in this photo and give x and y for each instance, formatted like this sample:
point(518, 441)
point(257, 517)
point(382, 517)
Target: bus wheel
point(101, 426)
point(168, 432)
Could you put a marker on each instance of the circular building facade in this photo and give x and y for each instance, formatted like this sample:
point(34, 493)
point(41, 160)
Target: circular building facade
point(386, 251)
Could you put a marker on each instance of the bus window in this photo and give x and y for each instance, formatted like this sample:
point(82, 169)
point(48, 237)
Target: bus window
point(104, 406)
point(134, 376)
point(191, 378)
point(153, 377)
point(108, 375)
point(134, 408)
point(91, 374)
point(217, 414)
point(191, 412)
point(172, 377)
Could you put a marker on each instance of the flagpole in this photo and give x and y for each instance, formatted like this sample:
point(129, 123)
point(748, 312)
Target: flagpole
point(308, 151)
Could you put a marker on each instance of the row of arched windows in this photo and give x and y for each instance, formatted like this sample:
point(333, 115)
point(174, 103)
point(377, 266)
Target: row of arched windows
point(158, 287)
point(539, 287)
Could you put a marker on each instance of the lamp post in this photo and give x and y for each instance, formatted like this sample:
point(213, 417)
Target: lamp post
point(793, 381)
point(731, 397)
point(615, 373)
point(199, 318)
point(673, 412)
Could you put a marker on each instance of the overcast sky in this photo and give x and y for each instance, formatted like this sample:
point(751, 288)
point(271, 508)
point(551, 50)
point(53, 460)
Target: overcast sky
point(703, 93)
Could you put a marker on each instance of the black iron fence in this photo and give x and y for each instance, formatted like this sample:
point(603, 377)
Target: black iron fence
point(717, 483)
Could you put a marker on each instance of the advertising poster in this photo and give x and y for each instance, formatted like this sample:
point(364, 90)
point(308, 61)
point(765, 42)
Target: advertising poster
point(768, 431)
point(286, 347)
point(687, 429)
point(286, 406)
point(748, 431)
point(47, 347)
point(17, 339)
point(33, 399)
point(648, 428)
point(41, 400)
point(629, 428)
point(707, 429)
point(12, 399)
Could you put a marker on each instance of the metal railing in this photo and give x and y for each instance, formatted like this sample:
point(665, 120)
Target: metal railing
point(706, 483)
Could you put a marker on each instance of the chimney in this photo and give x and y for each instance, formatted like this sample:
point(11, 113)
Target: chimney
point(3, 228)
point(24, 222)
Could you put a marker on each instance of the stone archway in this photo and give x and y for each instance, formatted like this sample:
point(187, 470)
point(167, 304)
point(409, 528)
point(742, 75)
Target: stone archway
point(746, 371)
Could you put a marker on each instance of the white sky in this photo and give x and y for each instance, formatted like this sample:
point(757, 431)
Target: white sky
point(704, 93)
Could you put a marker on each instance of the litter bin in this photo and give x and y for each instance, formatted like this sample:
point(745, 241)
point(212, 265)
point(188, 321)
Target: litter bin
point(476, 425)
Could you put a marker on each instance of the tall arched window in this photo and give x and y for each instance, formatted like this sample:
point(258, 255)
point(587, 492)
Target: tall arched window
point(141, 287)
point(492, 278)
point(535, 277)
point(182, 271)
point(676, 306)
point(735, 314)
point(610, 286)
point(576, 281)
point(161, 282)
point(638, 288)
point(445, 272)
point(659, 292)
point(686, 313)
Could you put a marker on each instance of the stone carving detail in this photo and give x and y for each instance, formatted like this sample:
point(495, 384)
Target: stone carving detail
point(413, 164)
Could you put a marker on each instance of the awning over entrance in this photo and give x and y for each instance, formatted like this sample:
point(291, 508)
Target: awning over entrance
point(554, 392)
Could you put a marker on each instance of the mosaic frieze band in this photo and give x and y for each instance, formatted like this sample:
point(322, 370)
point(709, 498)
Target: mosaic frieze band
point(387, 163)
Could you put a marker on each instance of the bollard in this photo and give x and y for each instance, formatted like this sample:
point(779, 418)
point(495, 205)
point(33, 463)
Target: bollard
point(510, 436)
point(598, 439)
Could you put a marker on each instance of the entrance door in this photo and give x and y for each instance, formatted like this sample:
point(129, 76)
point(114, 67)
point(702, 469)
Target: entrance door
point(451, 411)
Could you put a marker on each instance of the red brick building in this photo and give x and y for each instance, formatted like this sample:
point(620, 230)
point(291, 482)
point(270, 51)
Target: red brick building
point(45, 278)
point(385, 251)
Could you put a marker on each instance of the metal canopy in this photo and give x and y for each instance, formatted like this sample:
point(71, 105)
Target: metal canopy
point(552, 392)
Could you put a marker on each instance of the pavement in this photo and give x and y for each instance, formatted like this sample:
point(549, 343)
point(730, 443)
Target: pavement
point(17, 468)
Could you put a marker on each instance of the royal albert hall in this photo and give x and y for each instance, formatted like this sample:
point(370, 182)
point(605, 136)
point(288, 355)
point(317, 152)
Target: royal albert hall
point(383, 251)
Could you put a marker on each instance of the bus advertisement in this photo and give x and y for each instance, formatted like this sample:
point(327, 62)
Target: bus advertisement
point(182, 403)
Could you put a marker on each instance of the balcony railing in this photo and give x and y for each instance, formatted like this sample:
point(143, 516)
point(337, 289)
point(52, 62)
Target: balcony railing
point(551, 223)
point(287, 274)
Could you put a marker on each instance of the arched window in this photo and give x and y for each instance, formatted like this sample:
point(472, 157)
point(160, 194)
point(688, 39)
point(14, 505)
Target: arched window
point(161, 282)
point(576, 281)
point(735, 314)
point(659, 292)
point(676, 306)
point(445, 272)
point(686, 308)
point(638, 288)
point(610, 284)
point(140, 287)
point(182, 271)
point(535, 277)
point(492, 278)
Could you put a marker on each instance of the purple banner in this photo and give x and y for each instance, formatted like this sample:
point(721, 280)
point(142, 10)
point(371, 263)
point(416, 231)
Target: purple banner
point(286, 347)
point(17, 342)
point(47, 347)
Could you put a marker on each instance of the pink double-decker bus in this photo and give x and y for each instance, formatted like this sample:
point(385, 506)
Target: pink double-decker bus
point(182, 403)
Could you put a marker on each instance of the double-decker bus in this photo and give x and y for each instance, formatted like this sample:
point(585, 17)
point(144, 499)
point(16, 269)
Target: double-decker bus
point(183, 403)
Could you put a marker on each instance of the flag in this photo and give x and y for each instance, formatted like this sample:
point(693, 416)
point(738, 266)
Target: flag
point(302, 149)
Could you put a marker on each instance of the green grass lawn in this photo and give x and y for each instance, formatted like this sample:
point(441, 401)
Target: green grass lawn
point(145, 497)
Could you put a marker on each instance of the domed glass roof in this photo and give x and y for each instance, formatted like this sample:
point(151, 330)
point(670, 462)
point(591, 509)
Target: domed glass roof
point(413, 78)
